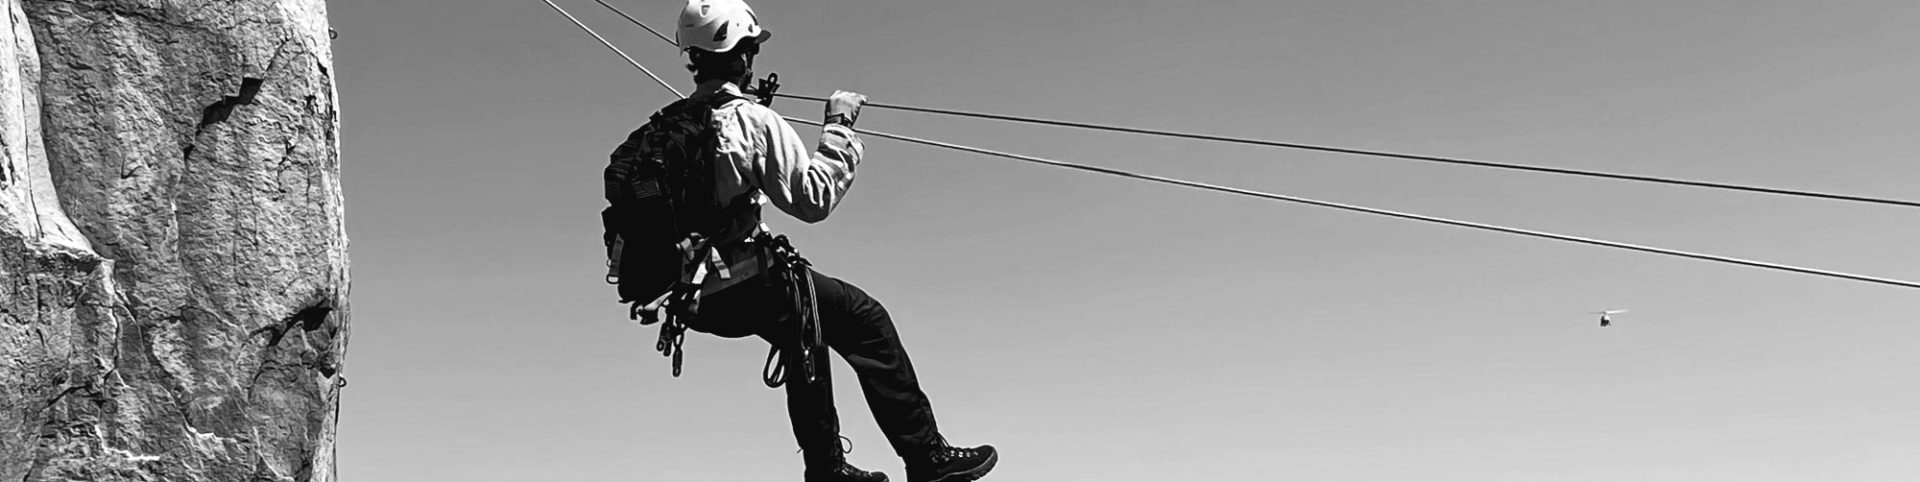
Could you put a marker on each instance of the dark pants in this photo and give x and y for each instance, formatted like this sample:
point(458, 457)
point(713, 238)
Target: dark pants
point(856, 327)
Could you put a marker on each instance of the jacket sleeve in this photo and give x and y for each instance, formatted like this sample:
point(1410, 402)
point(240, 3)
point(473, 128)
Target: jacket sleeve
point(804, 183)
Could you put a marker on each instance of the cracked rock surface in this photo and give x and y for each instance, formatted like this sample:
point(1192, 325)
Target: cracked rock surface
point(173, 252)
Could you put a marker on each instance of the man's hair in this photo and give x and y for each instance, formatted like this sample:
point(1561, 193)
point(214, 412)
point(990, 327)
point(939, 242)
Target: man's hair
point(730, 65)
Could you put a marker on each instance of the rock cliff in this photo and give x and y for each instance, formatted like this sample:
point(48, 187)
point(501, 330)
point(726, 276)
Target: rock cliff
point(173, 252)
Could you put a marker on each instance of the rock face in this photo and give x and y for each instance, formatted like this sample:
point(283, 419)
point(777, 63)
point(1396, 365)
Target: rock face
point(173, 253)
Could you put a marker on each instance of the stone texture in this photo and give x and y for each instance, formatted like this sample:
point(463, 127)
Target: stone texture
point(173, 253)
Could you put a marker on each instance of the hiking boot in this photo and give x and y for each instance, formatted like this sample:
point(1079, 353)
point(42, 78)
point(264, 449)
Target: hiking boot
point(842, 472)
point(829, 464)
point(946, 463)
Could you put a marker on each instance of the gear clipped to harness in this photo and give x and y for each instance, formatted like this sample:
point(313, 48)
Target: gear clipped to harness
point(795, 275)
point(679, 305)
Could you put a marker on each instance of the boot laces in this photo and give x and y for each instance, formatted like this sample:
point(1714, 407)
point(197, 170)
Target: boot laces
point(844, 446)
point(943, 451)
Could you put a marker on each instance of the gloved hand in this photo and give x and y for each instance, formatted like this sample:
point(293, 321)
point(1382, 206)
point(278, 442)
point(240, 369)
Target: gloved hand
point(844, 107)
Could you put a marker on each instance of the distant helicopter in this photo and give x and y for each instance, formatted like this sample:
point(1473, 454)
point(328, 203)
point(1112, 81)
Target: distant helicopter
point(1606, 317)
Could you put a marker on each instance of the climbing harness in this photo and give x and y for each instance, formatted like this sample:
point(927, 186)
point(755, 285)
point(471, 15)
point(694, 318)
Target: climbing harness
point(785, 270)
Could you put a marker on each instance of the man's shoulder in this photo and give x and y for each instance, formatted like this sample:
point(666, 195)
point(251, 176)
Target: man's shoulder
point(747, 108)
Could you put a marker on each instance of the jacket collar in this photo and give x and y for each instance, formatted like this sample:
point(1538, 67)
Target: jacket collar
point(715, 86)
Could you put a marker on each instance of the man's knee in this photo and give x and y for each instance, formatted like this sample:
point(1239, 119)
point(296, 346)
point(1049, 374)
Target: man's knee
point(849, 314)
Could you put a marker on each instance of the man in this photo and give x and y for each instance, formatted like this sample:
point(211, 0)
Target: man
point(760, 158)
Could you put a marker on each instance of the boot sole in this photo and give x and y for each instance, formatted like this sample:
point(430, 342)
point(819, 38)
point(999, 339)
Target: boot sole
point(971, 474)
point(882, 477)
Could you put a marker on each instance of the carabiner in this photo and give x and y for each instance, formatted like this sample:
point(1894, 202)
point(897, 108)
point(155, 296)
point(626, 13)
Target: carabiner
point(766, 88)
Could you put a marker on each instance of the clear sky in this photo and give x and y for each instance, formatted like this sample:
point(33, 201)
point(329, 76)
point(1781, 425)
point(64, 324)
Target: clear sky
point(1102, 329)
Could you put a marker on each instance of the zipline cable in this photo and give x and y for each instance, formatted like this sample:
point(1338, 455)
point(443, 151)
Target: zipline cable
point(1397, 214)
point(1340, 206)
point(623, 14)
point(603, 41)
point(1338, 150)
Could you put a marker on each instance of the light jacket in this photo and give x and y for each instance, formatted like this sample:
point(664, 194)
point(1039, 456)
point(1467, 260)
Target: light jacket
point(761, 159)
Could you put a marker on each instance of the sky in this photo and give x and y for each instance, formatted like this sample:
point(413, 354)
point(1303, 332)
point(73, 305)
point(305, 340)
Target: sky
point(1096, 328)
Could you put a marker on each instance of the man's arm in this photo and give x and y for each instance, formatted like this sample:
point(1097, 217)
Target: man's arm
point(804, 183)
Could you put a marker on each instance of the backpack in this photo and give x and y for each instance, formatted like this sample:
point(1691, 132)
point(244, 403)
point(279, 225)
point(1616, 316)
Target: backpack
point(660, 191)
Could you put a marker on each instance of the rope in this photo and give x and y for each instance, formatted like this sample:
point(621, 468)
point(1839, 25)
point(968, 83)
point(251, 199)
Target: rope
point(1394, 155)
point(1368, 210)
point(1339, 150)
point(656, 33)
point(603, 41)
point(1401, 215)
